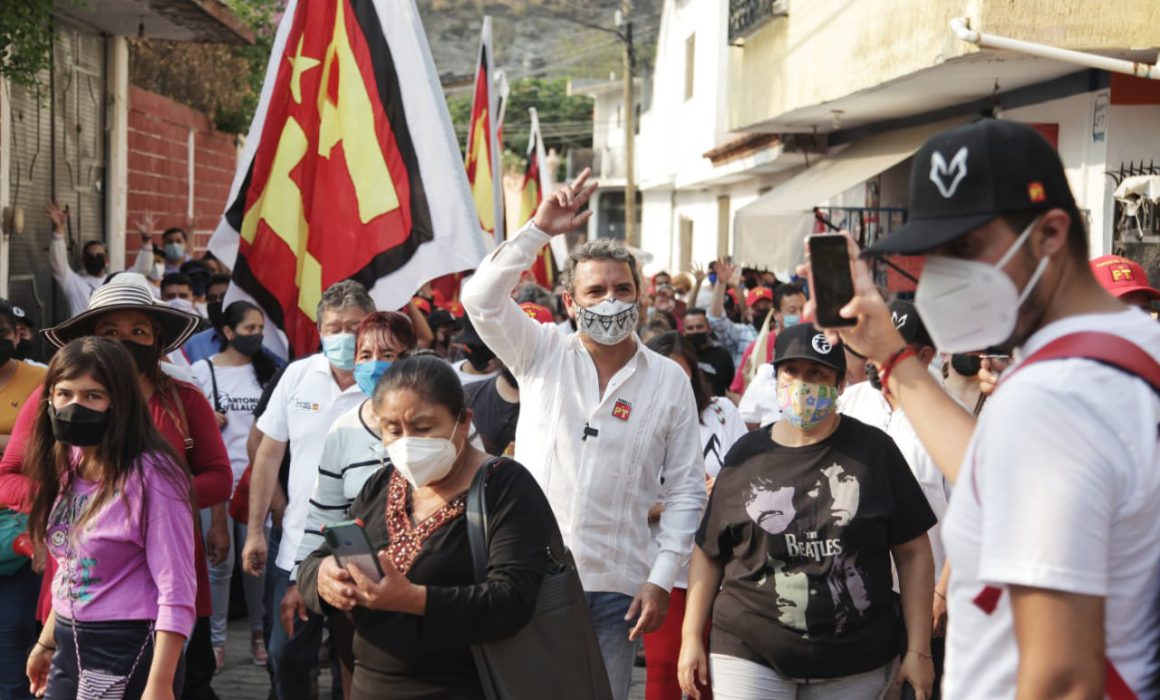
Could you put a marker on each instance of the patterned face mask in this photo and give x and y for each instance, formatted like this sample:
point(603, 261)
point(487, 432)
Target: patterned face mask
point(806, 405)
point(608, 322)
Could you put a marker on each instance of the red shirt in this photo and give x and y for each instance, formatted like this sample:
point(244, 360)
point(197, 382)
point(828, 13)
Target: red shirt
point(208, 461)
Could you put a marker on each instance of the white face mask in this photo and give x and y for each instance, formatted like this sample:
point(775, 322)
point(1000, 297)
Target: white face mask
point(969, 305)
point(608, 322)
point(423, 460)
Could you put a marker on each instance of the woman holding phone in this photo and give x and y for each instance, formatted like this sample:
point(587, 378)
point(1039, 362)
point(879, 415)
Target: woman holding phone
point(113, 505)
point(415, 625)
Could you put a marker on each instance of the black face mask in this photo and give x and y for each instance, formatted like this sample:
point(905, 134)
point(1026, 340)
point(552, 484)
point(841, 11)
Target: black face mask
point(967, 365)
point(23, 349)
point(7, 351)
point(480, 356)
point(248, 345)
point(79, 426)
point(699, 340)
point(145, 357)
point(217, 317)
point(94, 263)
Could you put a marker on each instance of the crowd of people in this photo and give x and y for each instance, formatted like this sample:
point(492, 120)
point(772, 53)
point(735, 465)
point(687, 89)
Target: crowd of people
point(953, 496)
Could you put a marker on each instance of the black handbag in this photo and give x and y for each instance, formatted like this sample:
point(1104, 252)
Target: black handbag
point(556, 654)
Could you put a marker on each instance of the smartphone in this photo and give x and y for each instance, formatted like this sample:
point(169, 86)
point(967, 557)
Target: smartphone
point(831, 286)
point(349, 544)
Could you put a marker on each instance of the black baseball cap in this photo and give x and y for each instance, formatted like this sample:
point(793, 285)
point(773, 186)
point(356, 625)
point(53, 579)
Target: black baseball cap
point(8, 311)
point(965, 177)
point(439, 318)
point(909, 323)
point(804, 342)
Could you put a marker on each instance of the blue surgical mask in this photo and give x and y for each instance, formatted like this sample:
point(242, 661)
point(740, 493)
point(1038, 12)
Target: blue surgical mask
point(174, 251)
point(367, 373)
point(790, 320)
point(339, 349)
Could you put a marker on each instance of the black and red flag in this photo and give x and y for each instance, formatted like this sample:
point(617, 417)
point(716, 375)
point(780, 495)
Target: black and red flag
point(351, 169)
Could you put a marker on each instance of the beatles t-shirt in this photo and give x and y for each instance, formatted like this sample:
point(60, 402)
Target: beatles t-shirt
point(804, 534)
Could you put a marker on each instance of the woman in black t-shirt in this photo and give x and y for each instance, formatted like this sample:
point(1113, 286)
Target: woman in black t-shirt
point(794, 553)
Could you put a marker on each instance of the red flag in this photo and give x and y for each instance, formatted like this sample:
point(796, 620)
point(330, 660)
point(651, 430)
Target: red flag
point(483, 154)
point(531, 194)
point(330, 187)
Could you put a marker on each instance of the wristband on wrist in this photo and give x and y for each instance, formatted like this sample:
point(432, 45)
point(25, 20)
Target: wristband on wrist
point(44, 646)
point(887, 367)
point(940, 594)
point(928, 657)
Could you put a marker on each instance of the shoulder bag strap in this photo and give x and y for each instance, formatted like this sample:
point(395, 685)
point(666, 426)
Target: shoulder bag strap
point(217, 402)
point(477, 520)
point(1105, 348)
point(183, 424)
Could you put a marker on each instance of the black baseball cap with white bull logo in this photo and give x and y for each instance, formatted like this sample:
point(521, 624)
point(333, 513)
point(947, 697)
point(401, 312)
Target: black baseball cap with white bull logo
point(965, 177)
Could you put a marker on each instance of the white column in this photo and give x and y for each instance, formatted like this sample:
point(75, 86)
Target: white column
point(117, 159)
point(5, 183)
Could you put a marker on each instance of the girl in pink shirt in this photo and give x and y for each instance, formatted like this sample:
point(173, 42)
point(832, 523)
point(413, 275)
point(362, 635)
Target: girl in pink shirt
point(112, 504)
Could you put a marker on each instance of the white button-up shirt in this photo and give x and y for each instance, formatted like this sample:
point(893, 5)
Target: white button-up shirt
point(601, 460)
point(306, 402)
point(77, 287)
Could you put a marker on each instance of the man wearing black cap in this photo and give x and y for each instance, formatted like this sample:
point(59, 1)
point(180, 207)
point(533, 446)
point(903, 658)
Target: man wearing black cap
point(802, 524)
point(1054, 535)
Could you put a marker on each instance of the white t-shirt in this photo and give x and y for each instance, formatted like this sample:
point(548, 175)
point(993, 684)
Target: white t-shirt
point(865, 403)
point(759, 402)
point(1059, 491)
point(466, 378)
point(238, 392)
point(302, 408)
point(721, 426)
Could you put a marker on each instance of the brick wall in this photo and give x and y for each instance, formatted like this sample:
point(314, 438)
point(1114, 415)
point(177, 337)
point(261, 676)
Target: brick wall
point(159, 157)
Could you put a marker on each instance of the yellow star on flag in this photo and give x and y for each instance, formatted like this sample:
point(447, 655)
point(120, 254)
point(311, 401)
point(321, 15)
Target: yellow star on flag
point(300, 64)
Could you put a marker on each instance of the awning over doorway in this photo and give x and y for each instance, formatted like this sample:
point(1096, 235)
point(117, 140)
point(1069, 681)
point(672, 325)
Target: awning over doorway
point(768, 232)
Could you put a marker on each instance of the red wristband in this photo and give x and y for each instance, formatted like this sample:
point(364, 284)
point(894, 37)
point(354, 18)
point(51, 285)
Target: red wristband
point(887, 367)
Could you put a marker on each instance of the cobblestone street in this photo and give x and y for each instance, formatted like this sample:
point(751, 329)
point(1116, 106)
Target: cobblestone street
point(242, 680)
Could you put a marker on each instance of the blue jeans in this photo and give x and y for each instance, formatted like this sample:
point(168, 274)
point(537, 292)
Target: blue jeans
point(18, 630)
point(219, 584)
point(608, 611)
point(293, 658)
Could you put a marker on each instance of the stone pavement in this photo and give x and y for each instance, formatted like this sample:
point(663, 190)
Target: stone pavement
point(241, 680)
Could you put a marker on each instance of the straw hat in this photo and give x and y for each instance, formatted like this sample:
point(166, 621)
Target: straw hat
point(126, 291)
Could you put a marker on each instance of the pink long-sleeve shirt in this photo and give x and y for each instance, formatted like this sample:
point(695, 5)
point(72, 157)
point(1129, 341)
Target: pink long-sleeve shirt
point(133, 560)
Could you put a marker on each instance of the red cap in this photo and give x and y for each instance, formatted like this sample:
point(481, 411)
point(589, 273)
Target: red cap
point(454, 308)
point(756, 295)
point(539, 313)
point(1122, 276)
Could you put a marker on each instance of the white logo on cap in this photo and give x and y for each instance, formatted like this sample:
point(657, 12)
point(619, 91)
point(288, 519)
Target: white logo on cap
point(899, 321)
point(822, 345)
point(955, 172)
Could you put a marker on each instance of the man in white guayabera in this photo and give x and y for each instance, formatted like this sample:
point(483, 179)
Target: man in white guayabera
point(604, 423)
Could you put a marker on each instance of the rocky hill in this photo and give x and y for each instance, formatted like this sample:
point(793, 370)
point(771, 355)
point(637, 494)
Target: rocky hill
point(536, 38)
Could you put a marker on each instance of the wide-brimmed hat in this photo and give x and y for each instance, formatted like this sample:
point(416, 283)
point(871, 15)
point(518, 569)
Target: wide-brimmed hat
point(127, 291)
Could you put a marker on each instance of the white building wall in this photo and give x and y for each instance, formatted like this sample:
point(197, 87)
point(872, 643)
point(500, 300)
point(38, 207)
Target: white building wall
point(1084, 155)
point(1133, 136)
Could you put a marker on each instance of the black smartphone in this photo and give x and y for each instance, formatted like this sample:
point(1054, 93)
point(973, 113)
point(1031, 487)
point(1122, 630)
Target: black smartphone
point(831, 286)
point(349, 544)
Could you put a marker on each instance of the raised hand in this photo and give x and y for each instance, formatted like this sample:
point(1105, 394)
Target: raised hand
point(875, 335)
point(726, 271)
point(145, 225)
point(560, 211)
point(58, 217)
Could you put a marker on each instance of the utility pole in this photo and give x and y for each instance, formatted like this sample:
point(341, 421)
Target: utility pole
point(631, 235)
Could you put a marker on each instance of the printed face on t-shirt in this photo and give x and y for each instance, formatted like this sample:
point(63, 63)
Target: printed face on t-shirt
point(845, 491)
point(771, 508)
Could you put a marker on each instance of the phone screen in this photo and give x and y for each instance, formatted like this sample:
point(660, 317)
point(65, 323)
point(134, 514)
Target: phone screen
point(349, 544)
point(830, 279)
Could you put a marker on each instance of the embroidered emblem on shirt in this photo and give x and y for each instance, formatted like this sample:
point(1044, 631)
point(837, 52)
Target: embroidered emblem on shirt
point(622, 409)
